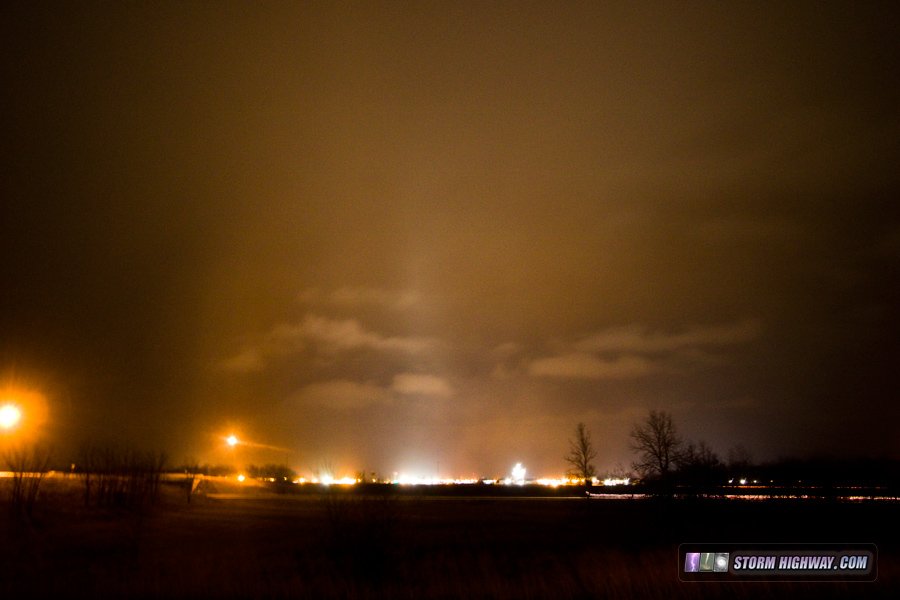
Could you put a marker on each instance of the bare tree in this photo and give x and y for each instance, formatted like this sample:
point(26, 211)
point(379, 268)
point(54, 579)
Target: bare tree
point(581, 453)
point(699, 467)
point(28, 467)
point(657, 444)
point(121, 477)
point(699, 455)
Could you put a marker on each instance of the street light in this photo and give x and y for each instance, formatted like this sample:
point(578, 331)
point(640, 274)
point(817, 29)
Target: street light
point(23, 413)
point(10, 416)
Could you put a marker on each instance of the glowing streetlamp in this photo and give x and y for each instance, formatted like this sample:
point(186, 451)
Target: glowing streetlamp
point(23, 413)
point(10, 416)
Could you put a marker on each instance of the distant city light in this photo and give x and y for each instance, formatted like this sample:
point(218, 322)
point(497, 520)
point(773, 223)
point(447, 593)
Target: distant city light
point(615, 481)
point(403, 479)
point(551, 481)
point(331, 480)
point(10, 415)
point(518, 474)
point(517, 477)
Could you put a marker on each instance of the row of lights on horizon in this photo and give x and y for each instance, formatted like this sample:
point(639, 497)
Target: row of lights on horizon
point(12, 416)
point(517, 477)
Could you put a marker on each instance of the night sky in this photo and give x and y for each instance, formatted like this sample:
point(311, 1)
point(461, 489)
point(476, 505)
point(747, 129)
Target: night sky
point(432, 238)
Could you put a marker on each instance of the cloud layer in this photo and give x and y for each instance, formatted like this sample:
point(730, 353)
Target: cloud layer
point(581, 365)
point(322, 335)
point(635, 351)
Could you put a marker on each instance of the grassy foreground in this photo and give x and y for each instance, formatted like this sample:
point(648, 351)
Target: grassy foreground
point(252, 544)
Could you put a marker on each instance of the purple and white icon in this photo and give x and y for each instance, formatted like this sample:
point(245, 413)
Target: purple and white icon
point(692, 562)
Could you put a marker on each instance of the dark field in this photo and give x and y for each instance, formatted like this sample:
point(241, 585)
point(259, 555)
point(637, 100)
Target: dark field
point(382, 544)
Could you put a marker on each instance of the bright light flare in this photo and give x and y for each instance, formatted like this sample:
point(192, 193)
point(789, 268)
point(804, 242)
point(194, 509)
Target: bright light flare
point(10, 416)
point(23, 413)
point(232, 440)
point(518, 474)
point(331, 480)
point(404, 479)
point(552, 481)
point(617, 481)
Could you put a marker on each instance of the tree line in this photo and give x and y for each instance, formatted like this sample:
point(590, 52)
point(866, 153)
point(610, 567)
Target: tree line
point(662, 455)
point(663, 460)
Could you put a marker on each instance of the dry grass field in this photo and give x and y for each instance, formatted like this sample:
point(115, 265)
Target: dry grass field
point(251, 543)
